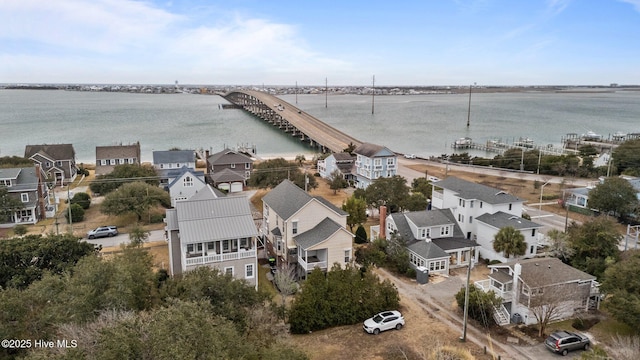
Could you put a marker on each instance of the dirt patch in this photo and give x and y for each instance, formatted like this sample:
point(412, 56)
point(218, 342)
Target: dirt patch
point(159, 250)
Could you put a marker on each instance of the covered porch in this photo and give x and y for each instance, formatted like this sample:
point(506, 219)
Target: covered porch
point(219, 251)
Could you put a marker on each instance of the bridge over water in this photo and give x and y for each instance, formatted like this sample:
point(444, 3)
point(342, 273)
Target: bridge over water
point(292, 120)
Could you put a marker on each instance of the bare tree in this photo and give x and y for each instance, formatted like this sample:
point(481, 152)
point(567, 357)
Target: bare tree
point(625, 347)
point(559, 245)
point(285, 281)
point(548, 304)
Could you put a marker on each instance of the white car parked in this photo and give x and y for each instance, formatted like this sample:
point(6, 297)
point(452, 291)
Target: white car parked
point(385, 320)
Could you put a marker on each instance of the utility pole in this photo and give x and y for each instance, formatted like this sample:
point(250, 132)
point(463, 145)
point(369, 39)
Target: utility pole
point(69, 207)
point(373, 94)
point(539, 158)
point(326, 93)
point(463, 338)
point(296, 93)
point(469, 108)
point(522, 161)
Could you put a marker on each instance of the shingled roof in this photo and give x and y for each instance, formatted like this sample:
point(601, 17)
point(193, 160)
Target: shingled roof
point(549, 271)
point(470, 190)
point(372, 150)
point(52, 151)
point(287, 198)
point(317, 234)
point(501, 219)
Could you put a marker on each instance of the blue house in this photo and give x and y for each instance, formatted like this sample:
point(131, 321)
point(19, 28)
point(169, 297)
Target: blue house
point(373, 162)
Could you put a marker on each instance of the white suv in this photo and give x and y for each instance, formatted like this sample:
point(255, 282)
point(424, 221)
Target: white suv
point(385, 320)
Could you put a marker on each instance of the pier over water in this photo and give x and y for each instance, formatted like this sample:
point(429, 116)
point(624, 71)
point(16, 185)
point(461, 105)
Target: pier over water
point(292, 120)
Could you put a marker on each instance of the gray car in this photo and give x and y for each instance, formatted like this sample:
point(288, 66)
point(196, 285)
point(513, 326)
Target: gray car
point(562, 342)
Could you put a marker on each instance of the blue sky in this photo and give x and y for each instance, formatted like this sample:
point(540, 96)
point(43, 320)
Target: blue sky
point(255, 42)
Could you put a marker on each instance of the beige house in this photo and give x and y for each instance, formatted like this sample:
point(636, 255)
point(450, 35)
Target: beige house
point(304, 231)
point(107, 157)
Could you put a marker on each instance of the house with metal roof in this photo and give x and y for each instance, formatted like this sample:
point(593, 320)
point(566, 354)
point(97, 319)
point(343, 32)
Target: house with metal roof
point(107, 157)
point(27, 185)
point(540, 285)
point(304, 231)
point(432, 237)
point(229, 170)
point(219, 232)
point(373, 162)
point(488, 225)
point(58, 161)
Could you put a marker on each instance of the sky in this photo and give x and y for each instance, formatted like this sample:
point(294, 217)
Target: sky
point(340, 42)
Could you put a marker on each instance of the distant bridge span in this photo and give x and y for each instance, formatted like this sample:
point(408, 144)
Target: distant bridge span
point(292, 120)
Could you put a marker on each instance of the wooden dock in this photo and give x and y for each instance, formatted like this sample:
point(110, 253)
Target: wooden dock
point(500, 147)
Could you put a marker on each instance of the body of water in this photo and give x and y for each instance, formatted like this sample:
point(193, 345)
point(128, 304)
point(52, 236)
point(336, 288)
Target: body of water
point(424, 125)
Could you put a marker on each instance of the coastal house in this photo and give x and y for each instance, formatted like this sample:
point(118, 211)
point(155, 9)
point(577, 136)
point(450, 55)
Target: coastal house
point(229, 170)
point(342, 162)
point(27, 185)
point(219, 232)
point(488, 225)
point(58, 161)
point(432, 237)
point(303, 230)
point(540, 285)
point(579, 197)
point(168, 164)
point(107, 157)
point(185, 184)
point(372, 162)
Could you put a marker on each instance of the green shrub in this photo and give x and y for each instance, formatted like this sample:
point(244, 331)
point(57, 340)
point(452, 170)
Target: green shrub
point(493, 262)
point(77, 213)
point(156, 218)
point(361, 235)
point(411, 273)
point(83, 199)
point(20, 229)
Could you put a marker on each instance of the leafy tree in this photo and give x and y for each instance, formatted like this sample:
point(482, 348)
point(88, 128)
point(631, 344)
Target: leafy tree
point(83, 199)
point(77, 213)
point(416, 202)
point(481, 304)
point(361, 235)
point(423, 186)
point(626, 157)
point(138, 235)
point(372, 254)
point(510, 242)
point(350, 148)
point(620, 281)
point(615, 195)
point(397, 253)
point(14, 161)
point(357, 210)
point(121, 174)
point(341, 297)
point(595, 245)
point(300, 159)
point(337, 181)
point(24, 260)
point(8, 204)
point(392, 192)
point(136, 198)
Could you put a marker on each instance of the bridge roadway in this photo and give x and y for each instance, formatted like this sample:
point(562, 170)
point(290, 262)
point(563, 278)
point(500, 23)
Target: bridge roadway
point(292, 120)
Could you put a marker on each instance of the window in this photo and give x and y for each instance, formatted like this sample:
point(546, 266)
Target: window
point(510, 206)
point(190, 248)
point(25, 197)
point(229, 270)
point(347, 255)
point(470, 219)
point(423, 233)
point(428, 232)
point(389, 161)
point(377, 162)
point(103, 162)
point(121, 161)
point(188, 181)
point(233, 166)
point(247, 166)
point(533, 232)
point(248, 271)
point(266, 210)
point(161, 166)
point(210, 246)
point(480, 204)
point(294, 227)
point(59, 163)
point(6, 183)
point(199, 246)
point(471, 204)
point(48, 164)
point(437, 265)
point(460, 218)
point(112, 161)
point(531, 250)
point(444, 230)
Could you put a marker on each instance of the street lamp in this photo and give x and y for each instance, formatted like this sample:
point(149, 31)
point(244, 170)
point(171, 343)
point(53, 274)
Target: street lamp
point(541, 190)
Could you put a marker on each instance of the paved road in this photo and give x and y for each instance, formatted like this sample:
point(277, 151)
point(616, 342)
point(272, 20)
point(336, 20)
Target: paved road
point(123, 239)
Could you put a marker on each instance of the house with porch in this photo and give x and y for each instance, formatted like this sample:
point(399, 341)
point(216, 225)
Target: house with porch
point(26, 184)
point(58, 161)
point(541, 284)
point(432, 237)
point(219, 232)
point(579, 197)
point(373, 162)
point(304, 231)
point(229, 170)
point(107, 157)
point(342, 162)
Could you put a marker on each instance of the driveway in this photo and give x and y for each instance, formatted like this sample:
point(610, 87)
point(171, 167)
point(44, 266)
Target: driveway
point(123, 239)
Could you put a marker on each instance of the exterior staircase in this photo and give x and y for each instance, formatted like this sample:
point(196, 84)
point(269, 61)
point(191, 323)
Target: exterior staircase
point(501, 315)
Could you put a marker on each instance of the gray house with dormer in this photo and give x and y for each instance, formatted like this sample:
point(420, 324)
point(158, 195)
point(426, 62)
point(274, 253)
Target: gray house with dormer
point(57, 161)
point(27, 185)
point(169, 163)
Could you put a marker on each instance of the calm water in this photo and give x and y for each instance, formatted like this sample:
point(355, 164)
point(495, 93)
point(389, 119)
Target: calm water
point(420, 124)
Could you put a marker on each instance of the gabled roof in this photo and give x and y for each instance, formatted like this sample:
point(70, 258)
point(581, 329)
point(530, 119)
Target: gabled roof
point(23, 179)
point(207, 193)
point(427, 250)
point(539, 272)
point(228, 156)
point(372, 150)
point(227, 175)
point(501, 219)
point(317, 234)
point(215, 219)
point(427, 218)
point(197, 175)
point(174, 156)
point(470, 190)
point(52, 151)
point(287, 198)
point(118, 152)
point(343, 157)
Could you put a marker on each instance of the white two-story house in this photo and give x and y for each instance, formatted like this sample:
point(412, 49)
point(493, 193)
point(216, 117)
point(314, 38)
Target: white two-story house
point(481, 211)
point(169, 163)
point(373, 162)
point(305, 231)
point(218, 232)
point(185, 184)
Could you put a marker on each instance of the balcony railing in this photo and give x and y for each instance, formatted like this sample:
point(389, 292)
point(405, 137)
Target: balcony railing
point(312, 264)
point(437, 194)
point(485, 285)
point(199, 260)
